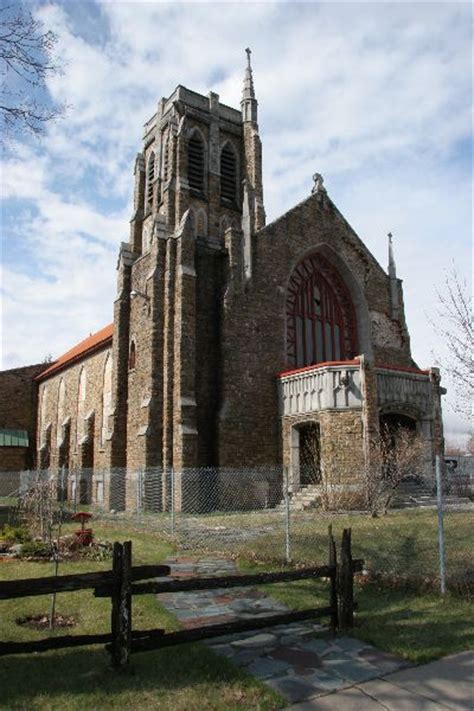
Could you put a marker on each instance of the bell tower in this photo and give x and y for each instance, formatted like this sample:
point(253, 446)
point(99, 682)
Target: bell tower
point(201, 155)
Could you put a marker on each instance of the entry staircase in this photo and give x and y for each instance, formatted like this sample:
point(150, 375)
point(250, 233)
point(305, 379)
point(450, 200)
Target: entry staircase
point(411, 494)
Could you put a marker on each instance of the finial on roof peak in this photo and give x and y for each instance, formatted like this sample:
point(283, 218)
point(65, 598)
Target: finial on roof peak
point(249, 52)
point(318, 186)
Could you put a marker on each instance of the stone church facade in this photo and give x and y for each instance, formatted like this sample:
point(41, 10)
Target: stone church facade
point(234, 343)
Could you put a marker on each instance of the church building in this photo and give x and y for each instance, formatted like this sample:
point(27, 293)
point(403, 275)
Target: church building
point(234, 343)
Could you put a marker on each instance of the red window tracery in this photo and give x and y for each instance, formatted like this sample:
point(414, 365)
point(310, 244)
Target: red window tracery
point(321, 323)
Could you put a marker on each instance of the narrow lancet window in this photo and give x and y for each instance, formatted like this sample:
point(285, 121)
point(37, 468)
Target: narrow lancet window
point(150, 177)
point(228, 174)
point(132, 356)
point(196, 163)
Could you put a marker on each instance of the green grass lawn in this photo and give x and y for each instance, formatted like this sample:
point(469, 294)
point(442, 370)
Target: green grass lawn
point(403, 543)
point(417, 625)
point(182, 677)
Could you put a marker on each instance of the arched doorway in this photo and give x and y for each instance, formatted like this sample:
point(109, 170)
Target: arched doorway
point(393, 423)
point(310, 454)
point(320, 316)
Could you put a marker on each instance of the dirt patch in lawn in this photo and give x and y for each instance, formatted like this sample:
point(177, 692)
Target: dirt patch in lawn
point(41, 621)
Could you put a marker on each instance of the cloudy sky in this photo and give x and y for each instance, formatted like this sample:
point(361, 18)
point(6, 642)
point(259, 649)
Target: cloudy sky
point(375, 96)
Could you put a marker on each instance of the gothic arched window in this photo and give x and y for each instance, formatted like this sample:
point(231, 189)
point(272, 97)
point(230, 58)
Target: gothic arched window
point(43, 413)
point(106, 398)
point(196, 163)
point(320, 317)
point(150, 177)
point(61, 411)
point(228, 174)
point(81, 405)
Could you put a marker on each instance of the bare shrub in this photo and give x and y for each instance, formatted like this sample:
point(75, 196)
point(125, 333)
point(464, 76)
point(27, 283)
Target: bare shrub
point(395, 456)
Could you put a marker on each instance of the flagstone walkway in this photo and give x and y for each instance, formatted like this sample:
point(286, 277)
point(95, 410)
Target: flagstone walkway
point(299, 660)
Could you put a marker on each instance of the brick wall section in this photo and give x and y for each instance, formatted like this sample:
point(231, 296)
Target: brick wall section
point(18, 407)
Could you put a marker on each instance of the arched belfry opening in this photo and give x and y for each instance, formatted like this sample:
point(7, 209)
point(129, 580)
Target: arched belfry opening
point(321, 322)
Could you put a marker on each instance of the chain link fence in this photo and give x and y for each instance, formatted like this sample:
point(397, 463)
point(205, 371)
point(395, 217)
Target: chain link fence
point(256, 513)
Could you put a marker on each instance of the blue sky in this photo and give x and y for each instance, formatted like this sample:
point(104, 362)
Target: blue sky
point(375, 96)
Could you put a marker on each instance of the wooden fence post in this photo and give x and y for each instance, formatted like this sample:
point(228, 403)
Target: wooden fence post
point(332, 562)
point(346, 582)
point(122, 605)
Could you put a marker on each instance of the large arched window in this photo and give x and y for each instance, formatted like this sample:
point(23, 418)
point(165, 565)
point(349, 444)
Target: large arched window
point(61, 411)
point(43, 413)
point(150, 177)
point(228, 174)
point(196, 162)
point(81, 405)
point(320, 317)
point(106, 398)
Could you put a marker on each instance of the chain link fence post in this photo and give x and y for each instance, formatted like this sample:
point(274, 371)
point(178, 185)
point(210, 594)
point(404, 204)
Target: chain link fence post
point(440, 507)
point(172, 502)
point(139, 493)
point(287, 515)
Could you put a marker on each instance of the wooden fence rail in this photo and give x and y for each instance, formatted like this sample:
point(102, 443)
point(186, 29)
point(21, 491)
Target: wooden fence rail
point(120, 584)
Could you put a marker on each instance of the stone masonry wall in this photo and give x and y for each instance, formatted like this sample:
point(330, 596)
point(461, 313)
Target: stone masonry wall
point(254, 322)
point(48, 416)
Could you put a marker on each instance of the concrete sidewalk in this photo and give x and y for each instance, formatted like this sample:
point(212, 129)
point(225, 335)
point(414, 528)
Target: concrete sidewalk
point(445, 684)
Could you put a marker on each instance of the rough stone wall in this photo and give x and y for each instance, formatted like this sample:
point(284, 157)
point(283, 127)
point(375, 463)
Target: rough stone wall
point(341, 441)
point(254, 321)
point(78, 452)
point(209, 267)
point(139, 380)
point(18, 405)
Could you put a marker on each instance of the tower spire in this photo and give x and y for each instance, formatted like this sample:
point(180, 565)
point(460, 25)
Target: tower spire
point(392, 273)
point(249, 102)
point(392, 269)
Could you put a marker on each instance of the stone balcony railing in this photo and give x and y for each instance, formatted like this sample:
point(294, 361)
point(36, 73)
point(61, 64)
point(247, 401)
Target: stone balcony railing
point(337, 386)
point(407, 387)
point(325, 386)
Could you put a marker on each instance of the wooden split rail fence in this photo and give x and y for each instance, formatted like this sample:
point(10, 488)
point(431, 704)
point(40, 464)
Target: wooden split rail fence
point(124, 581)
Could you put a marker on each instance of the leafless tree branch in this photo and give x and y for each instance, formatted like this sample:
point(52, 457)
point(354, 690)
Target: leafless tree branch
point(27, 59)
point(454, 326)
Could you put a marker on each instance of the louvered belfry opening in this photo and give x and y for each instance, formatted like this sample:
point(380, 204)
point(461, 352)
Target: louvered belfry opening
point(228, 174)
point(196, 163)
point(150, 178)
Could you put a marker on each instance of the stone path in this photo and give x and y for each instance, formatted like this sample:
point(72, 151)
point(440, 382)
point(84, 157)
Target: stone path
point(293, 659)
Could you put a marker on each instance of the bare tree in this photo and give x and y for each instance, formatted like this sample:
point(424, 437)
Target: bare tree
point(455, 327)
point(27, 59)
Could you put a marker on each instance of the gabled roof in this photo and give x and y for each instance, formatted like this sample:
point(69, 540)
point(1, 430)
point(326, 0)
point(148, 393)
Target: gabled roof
point(90, 344)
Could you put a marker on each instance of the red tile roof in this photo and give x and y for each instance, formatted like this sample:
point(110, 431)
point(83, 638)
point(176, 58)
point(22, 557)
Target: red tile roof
point(81, 350)
point(295, 371)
